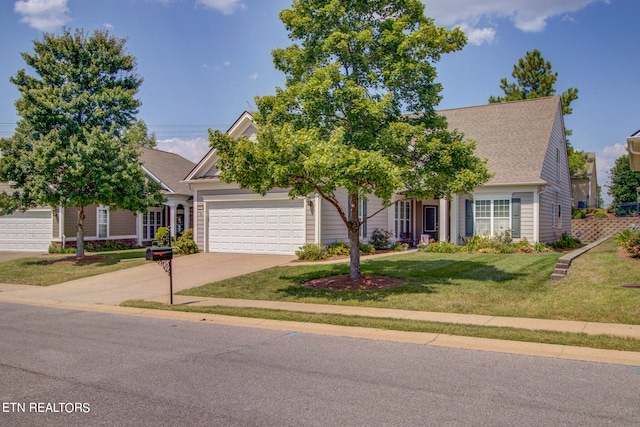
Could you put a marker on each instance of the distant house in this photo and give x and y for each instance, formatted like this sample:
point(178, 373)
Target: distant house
point(529, 194)
point(37, 229)
point(584, 185)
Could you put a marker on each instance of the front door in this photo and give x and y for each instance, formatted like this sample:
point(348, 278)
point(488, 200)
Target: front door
point(430, 221)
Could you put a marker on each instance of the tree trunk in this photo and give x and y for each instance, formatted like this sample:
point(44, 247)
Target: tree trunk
point(354, 237)
point(80, 233)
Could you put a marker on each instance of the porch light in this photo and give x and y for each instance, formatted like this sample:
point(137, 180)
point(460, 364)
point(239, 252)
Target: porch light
point(633, 147)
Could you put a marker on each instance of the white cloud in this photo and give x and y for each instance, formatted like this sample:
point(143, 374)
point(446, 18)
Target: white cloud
point(108, 26)
point(526, 15)
point(605, 160)
point(192, 149)
point(227, 7)
point(43, 15)
point(254, 76)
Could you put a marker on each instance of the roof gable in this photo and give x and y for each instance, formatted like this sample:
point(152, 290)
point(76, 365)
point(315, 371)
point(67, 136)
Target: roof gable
point(168, 169)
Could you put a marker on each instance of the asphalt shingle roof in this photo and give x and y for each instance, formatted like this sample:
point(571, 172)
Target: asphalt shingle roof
point(512, 136)
point(170, 168)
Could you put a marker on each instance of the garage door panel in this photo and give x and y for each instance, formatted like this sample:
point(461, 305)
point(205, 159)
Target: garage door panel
point(271, 227)
point(28, 231)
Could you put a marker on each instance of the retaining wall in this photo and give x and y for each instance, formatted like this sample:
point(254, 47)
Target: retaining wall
point(592, 229)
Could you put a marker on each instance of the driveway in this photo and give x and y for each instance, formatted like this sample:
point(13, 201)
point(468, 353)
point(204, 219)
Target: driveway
point(148, 281)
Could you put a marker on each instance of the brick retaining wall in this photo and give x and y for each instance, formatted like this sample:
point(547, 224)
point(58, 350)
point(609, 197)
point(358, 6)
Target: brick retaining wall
point(592, 229)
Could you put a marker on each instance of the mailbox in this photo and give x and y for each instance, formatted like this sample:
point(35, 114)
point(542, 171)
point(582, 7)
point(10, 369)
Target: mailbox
point(159, 254)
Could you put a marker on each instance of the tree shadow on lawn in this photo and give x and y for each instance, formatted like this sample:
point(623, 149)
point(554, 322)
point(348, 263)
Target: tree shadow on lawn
point(421, 277)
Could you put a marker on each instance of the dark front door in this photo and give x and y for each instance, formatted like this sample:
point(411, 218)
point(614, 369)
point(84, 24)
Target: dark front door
point(430, 221)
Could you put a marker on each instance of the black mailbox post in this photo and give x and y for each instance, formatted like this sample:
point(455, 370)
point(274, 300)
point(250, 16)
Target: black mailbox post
point(164, 257)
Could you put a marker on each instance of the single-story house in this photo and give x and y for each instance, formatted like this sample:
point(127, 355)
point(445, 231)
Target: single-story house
point(584, 185)
point(37, 229)
point(529, 193)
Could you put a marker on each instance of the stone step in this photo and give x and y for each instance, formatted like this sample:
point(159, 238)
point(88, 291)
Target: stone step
point(562, 271)
point(555, 277)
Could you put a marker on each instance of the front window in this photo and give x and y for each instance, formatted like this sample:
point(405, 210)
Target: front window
point(103, 222)
point(150, 223)
point(492, 216)
point(403, 217)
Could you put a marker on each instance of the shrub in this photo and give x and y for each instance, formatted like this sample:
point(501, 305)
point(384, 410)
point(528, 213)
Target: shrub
point(339, 248)
point(629, 240)
point(565, 242)
point(601, 214)
point(53, 249)
point(577, 213)
point(400, 246)
point(367, 249)
point(162, 237)
point(185, 243)
point(381, 239)
point(440, 247)
point(312, 252)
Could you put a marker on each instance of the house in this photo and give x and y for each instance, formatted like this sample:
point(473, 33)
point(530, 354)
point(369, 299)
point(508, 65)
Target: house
point(584, 185)
point(37, 229)
point(529, 193)
point(633, 147)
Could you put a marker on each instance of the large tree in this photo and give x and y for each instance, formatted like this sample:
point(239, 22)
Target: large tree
point(535, 78)
point(77, 142)
point(624, 182)
point(354, 69)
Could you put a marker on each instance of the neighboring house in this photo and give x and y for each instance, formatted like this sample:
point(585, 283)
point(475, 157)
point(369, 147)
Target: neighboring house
point(530, 192)
point(36, 229)
point(633, 148)
point(584, 185)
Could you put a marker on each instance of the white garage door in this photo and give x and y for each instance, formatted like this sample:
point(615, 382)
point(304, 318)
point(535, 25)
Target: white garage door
point(28, 231)
point(258, 227)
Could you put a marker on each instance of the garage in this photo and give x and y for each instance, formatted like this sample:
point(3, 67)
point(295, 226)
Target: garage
point(28, 231)
point(256, 227)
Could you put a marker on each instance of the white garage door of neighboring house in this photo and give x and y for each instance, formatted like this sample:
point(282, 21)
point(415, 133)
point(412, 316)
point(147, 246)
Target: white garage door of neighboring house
point(259, 227)
point(28, 231)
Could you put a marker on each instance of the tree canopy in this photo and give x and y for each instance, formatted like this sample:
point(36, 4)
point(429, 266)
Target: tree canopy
point(354, 70)
point(534, 78)
point(77, 142)
point(624, 182)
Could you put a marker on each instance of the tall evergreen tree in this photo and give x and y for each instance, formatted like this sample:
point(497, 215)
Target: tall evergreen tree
point(534, 78)
point(77, 142)
point(354, 68)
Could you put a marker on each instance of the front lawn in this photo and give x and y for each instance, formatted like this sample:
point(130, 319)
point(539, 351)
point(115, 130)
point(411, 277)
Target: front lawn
point(55, 269)
point(515, 285)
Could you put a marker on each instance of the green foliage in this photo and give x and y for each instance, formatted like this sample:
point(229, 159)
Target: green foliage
point(381, 239)
point(162, 237)
point(566, 241)
point(367, 249)
point(624, 182)
point(578, 213)
point(600, 214)
point(339, 248)
point(110, 245)
point(629, 240)
point(53, 249)
point(72, 146)
point(501, 244)
point(312, 252)
point(185, 244)
point(352, 71)
point(441, 248)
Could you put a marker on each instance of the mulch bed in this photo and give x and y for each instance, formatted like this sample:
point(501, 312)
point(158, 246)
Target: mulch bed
point(344, 283)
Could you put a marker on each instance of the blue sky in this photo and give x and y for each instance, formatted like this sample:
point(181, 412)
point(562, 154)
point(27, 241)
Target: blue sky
point(203, 61)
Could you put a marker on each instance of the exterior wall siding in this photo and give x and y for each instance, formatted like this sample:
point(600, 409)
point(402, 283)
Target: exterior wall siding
point(526, 215)
point(122, 223)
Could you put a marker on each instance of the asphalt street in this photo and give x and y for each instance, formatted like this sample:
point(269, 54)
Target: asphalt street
point(67, 367)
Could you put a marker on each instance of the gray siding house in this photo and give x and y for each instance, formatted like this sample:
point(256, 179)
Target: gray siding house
point(529, 193)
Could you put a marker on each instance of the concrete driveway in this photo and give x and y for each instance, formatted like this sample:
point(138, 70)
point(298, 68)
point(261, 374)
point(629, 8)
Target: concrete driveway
point(148, 281)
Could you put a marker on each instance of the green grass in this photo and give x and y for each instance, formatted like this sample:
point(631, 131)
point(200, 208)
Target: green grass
point(58, 269)
point(514, 285)
point(502, 333)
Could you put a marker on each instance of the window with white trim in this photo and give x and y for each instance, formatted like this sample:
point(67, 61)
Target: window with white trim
point(403, 217)
point(150, 223)
point(492, 216)
point(102, 222)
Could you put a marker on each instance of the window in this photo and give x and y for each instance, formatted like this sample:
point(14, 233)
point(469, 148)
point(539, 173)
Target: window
point(553, 214)
point(362, 214)
point(492, 216)
point(150, 223)
point(403, 217)
point(103, 222)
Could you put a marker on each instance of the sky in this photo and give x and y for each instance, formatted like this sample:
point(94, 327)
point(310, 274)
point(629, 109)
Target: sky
point(204, 61)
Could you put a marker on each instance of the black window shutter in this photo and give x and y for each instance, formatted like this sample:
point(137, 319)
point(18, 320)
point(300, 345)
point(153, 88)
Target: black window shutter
point(515, 217)
point(468, 218)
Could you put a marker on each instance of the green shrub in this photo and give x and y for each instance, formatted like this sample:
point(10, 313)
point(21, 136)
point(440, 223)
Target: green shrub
point(367, 249)
point(578, 213)
point(381, 239)
point(400, 246)
point(629, 240)
point(565, 242)
point(162, 237)
point(312, 252)
point(185, 243)
point(441, 248)
point(600, 214)
point(56, 250)
point(339, 248)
